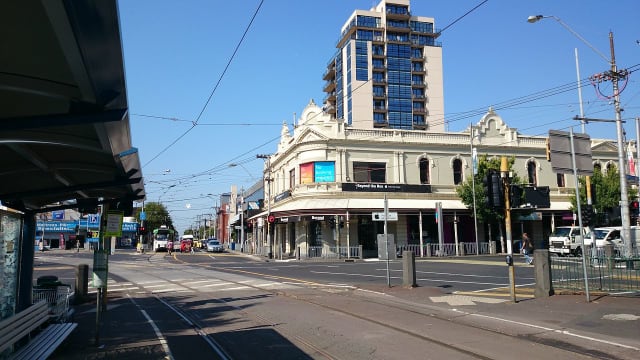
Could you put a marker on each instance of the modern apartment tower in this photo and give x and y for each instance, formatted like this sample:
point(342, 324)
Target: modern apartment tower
point(387, 72)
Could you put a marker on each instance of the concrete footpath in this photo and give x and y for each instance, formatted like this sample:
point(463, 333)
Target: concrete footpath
point(612, 321)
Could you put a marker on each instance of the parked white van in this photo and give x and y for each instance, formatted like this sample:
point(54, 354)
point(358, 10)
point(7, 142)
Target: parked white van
point(565, 240)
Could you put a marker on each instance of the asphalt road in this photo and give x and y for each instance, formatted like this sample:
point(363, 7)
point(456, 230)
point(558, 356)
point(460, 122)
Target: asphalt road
point(229, 306)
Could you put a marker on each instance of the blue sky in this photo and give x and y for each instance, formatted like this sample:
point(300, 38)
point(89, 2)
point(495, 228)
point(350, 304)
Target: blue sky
point(192, 60)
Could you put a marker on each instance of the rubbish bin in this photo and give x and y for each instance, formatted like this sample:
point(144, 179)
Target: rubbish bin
point(47, 281)
point(233, 246)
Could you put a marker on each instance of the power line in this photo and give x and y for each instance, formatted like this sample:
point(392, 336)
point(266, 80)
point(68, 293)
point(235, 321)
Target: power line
point(195, 123)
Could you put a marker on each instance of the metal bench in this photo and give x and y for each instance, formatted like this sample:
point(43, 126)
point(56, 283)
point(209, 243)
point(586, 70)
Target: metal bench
point(30, 322)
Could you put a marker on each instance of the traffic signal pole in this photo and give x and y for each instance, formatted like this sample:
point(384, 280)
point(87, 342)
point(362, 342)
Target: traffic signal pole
point(504, 172)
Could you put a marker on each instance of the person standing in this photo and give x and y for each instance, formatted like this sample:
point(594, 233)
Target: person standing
point(527, 248)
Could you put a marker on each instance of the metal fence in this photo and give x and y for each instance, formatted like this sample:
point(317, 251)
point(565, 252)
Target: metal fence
point(464, 248)
point(57, 297)
point(333, 252)
point(610, 274)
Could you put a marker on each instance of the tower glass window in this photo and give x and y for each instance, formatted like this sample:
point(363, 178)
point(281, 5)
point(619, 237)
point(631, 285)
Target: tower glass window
point(421, 26)
point(368, 21)
point(362, 61)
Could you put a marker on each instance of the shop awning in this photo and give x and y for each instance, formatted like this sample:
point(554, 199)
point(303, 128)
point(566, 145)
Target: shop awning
point(341, 206)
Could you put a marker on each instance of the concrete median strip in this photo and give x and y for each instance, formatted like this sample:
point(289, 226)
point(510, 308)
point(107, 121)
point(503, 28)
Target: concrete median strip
point(458, 300)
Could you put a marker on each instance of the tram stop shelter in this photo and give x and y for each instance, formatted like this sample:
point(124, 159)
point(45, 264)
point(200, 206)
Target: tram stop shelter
point(65, 138)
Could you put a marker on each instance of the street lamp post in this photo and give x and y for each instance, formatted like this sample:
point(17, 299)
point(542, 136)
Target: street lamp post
point(614, 76)
point(268, 180)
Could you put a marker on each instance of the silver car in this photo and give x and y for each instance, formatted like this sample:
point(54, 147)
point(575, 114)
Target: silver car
point(213, 245)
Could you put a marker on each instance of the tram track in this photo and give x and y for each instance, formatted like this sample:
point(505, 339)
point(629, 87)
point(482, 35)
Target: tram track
point(420, 312)
point(425, 311)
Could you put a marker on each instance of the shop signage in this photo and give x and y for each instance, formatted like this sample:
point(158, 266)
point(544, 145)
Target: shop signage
point(282, 196)
point(288, 219)
point(380, 187)
point(70, 226)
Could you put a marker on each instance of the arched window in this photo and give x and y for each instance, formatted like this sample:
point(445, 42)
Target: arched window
point(531, 173)
point(424, 171)
point(610, 166)
point(457, 171)
point(597, 168)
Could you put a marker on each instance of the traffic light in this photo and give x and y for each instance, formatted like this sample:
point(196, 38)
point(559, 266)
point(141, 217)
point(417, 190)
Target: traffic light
point(486, 184)
point(587, 212)
point(634, 209)
point(515, 196)
point(497, 193)
point(332, 221)
point(142, 230)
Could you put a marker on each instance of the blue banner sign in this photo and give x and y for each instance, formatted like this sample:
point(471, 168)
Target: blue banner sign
point(70, 226)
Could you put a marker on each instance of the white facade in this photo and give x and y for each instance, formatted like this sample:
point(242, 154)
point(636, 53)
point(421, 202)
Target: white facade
point(318, 196)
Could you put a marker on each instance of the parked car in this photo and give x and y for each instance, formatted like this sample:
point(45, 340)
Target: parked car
point(608, 236)
point(213, 245)
point(185, 245)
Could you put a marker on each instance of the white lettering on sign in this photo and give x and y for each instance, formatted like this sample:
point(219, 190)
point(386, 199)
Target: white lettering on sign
point(379, 216)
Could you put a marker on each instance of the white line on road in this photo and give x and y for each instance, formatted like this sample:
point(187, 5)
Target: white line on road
point(159, 335)
point(559, 331)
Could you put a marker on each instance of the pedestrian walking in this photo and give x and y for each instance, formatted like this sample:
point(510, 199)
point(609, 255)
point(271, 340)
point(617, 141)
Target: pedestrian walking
point(170, 246)
point(527, 248)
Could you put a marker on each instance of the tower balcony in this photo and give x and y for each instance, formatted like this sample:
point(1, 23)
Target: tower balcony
point(329, 86)
point(330, 73)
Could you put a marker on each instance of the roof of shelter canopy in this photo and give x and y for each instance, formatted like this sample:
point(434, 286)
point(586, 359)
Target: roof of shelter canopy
point(64, 124)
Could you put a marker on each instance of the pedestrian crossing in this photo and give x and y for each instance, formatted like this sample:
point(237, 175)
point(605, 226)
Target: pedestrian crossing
point(195, 286)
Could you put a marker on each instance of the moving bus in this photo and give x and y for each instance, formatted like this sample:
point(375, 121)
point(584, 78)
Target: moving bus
point(161, 236)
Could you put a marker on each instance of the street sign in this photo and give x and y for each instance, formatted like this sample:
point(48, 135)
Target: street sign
point(561, 156)
point(379, 216)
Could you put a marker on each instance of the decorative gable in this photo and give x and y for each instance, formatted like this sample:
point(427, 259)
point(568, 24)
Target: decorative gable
point(493, 130)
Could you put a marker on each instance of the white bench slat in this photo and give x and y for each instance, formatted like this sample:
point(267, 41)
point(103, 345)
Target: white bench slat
point(46, 342)
point(21, 324)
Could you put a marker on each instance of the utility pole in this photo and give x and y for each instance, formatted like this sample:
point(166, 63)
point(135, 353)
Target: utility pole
point(624, 196)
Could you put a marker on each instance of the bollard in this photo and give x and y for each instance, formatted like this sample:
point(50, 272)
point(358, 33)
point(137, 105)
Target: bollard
point(409, 269)
point(82, 283)
point(542, 272)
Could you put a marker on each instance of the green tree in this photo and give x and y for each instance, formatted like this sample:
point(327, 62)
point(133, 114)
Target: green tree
point(465, 190)
point(157, 215)
point(606, 192)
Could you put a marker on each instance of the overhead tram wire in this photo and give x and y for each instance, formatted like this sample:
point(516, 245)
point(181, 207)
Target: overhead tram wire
point(206, 124)
point(195, 123)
